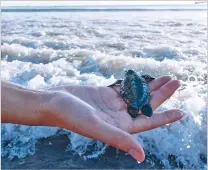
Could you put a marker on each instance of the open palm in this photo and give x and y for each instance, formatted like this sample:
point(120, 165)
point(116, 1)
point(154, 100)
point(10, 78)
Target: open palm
point(113, 110)
point(111, 123)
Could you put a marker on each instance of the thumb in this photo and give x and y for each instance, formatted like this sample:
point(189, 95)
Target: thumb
point(119, 139)
point(126, 142)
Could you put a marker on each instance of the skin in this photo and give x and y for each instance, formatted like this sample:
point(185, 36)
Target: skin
point(95, 112)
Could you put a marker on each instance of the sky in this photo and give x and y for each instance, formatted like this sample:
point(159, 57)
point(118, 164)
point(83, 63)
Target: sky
point(80, 3)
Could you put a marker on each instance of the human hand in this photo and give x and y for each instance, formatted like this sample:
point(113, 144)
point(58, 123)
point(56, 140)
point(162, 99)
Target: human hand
point(101, 114)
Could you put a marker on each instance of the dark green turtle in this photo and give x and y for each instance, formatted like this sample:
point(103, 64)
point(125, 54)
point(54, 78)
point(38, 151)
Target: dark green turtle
point(135, 91)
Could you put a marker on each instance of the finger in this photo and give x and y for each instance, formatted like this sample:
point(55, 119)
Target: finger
point(164, 93)
point(143, 123)
point(157, 83)
point(122, 140)
point(115, 137)
point(154, 85)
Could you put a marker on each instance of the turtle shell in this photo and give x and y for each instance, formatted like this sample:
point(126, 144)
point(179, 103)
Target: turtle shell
point(134, 90)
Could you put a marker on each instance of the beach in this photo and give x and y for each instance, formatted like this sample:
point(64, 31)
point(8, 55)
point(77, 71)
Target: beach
point(44, 49)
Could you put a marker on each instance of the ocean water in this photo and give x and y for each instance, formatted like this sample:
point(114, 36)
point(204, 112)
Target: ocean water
point(46, 49)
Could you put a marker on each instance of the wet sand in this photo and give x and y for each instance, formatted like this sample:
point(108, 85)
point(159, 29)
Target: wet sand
point(50, 154)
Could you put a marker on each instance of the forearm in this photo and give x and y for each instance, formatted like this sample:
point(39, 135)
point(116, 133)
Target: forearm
point(23, 106)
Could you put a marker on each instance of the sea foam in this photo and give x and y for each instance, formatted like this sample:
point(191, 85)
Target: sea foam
point(40, 52)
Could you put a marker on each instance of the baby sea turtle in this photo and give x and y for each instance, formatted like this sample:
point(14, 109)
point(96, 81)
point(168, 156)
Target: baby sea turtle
point(135, 92)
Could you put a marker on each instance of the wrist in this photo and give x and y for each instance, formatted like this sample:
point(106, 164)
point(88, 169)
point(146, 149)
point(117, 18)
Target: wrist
point(48, 112)
point(21, 105)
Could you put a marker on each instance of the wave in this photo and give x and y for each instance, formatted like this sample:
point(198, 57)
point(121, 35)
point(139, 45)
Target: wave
point(95, 50)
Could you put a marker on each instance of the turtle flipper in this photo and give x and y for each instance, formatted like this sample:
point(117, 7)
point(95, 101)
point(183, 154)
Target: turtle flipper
point(132, 111)
point(147, 78)
point(147, 110)
point(116, 83)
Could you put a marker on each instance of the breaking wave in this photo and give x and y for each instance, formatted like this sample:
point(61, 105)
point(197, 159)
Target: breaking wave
point(89, 49)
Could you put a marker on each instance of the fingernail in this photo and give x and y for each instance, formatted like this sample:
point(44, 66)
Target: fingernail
point(175, 83)
point(179, 114)
point(136, 155)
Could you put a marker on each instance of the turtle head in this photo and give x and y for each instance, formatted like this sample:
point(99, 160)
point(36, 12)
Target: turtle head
point(129, 72)
point(147, 110)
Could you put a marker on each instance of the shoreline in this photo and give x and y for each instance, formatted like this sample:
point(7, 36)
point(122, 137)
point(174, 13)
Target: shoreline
point(50, 154)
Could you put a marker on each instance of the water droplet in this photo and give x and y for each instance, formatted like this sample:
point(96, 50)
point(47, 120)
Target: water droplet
point(138, 162)
point(188, 146)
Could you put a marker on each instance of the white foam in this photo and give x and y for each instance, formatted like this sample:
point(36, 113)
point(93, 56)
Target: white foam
point(94, 50)
point(81, 145)
point(36, 83)
point(19, 140)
